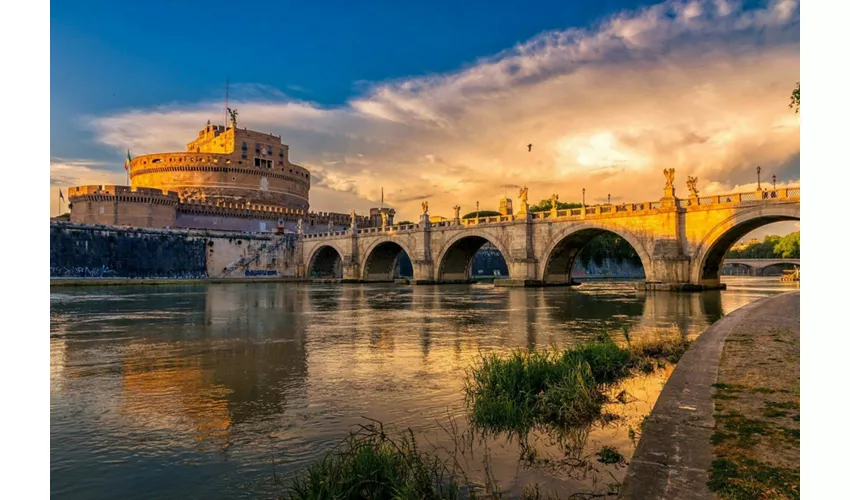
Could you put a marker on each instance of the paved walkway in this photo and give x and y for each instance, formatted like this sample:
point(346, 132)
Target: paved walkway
point(675, 452)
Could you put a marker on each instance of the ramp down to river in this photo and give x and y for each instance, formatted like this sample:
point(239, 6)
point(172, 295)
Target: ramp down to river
point(674, 454)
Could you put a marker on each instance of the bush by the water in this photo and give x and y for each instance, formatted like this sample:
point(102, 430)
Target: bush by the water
point(557, 387)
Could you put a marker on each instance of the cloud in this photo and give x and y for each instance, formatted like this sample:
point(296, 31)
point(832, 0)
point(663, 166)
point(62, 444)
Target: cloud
point(701, 86)
point(77, 172)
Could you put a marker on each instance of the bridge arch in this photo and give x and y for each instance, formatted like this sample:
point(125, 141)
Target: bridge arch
point(454, 262)
point(380, 259)
point(560, 254)
point(709, 254)
point(325, 262)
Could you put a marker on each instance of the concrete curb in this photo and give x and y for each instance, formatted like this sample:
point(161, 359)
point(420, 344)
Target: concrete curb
point(674, 454)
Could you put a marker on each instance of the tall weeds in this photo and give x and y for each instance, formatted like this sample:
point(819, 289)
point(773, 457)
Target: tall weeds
point(563, 388)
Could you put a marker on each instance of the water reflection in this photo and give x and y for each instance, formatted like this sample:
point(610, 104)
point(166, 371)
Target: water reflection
point(194, 390)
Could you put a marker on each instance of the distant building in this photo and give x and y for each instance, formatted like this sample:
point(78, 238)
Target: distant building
point(746, 244)
point(506, 206)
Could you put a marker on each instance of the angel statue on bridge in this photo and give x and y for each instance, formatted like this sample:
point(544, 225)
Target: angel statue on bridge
point(554, 202)
point(669, 174)
point(692, 186)
point(353, 219)
point(384, 219)
point(523, 194)
point(424, 208)
point(457, 211)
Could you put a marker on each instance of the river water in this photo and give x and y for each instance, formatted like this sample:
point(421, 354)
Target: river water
point(223, 391)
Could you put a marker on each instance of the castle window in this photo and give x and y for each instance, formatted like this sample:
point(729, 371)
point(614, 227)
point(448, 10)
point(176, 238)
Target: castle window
point(271, 151)
point(260, 162)
point(244, 145)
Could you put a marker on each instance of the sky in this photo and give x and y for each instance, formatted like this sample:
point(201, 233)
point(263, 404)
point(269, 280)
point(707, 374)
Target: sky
point(438, 101)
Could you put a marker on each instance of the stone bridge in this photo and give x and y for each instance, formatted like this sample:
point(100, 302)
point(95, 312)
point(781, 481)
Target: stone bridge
point(756, 267)
point(681, 242)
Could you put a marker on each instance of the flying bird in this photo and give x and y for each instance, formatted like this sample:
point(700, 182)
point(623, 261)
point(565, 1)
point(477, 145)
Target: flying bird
point(529, 147)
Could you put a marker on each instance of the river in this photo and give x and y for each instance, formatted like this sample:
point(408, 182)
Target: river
point(223, 391)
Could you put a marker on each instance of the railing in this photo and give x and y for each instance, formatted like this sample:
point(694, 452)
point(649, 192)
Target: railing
point(598, 210)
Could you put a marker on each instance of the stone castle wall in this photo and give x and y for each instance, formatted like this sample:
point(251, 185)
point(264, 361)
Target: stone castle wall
point(226, 178)
point(122, 206)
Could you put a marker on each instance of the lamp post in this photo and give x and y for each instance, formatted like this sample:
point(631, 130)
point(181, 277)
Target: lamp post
point(582, 196)
point(609, 198)
point(774, 182)
point(758, 173)
point(476, 210)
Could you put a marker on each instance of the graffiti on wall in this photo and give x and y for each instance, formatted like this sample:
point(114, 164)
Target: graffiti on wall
point(260, 272)
point(81, 272)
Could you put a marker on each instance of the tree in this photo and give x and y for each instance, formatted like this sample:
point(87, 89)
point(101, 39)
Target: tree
point(481, 213)
point(795, 99)
point(546, 205)
point(789, 246)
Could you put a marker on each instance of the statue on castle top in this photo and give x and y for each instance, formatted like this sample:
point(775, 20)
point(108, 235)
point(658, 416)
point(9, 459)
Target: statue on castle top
point(669, 174)
point(457, 211)
point(523, 194)
point(692, 186)
point(233, 114)
point(424, 208)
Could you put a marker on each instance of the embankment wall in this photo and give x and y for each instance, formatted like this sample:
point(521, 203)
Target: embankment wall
point(82, 251)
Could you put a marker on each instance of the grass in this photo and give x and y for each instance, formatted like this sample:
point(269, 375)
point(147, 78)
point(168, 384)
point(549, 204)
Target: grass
point(609, 455)
point(371, 464)
point(746, 479)
point(564, 388)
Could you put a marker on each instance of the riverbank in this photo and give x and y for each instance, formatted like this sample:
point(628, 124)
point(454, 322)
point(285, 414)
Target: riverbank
point(727, 422)
point(166, 281)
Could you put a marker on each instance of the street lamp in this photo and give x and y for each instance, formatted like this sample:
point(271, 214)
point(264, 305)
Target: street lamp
point(758, 173)
point(582, 196)
point(609, 199)
point(476, 209)
point(774, 182)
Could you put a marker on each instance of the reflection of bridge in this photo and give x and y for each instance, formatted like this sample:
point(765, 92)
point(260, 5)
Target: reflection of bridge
point(756, 267)
point(680, 242)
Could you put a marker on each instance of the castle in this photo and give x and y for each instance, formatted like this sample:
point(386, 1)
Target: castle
point(228, 179)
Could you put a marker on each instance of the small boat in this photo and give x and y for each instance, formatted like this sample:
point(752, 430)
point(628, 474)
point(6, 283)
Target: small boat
point(790, 276)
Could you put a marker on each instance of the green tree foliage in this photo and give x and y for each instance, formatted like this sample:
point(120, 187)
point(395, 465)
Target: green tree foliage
point(546, 205)
point(773, 247)
point(789, 246)
point(482, 213)
point(795, 99)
